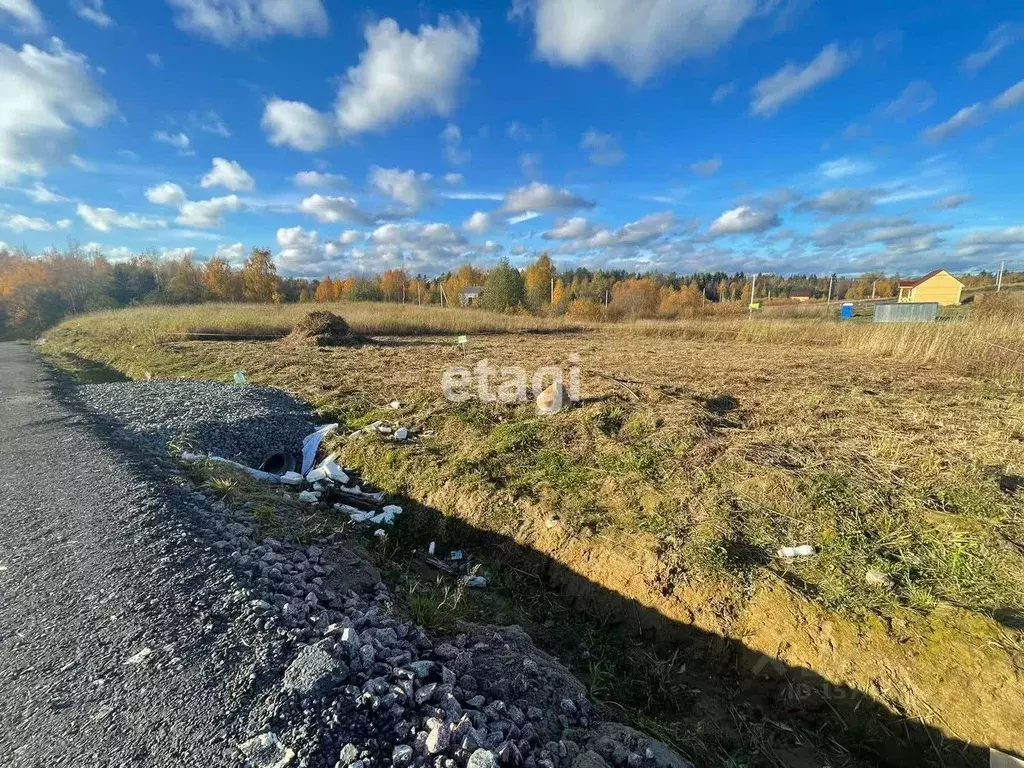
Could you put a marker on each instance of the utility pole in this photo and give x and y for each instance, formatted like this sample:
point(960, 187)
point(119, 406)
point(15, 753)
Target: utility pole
point(606, 298)
point(999, 280)
point(873, 284)
point(753, 292)
point(552, 290)
point(829, 299)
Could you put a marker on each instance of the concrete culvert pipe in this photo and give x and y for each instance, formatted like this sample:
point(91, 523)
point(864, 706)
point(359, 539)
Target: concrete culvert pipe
point(279, 463)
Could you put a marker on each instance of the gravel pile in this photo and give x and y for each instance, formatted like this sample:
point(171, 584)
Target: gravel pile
point(243, 423)
point(341, 680)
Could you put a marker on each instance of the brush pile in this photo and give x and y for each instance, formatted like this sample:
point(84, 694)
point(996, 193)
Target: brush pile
point(322, 329)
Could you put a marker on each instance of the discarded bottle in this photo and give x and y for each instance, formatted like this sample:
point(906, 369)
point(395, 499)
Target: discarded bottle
point(240, 378)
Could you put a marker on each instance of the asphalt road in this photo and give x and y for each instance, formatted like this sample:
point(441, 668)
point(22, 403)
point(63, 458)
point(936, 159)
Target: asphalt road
point(93, 573)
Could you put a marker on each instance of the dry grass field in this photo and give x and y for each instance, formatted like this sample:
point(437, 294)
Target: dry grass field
point(698, 450)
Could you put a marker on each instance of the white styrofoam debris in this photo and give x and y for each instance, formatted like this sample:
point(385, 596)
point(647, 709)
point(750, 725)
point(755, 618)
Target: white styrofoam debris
point(395, 404)
point(380, 533)
point(401, 433)
point(309, 497)
point(477, 582)
point(333, 470)
point(804, 550)
point(292, 478)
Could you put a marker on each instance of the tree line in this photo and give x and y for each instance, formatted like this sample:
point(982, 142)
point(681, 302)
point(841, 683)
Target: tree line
point(38, 291)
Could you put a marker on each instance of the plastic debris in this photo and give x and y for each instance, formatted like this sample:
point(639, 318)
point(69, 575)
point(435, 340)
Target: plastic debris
point(310, 444)
point(401, 433)
point(432, 548)
point(292, 478)
point(395, 404)
point(551, 400)
point(804, 550)
point(309, 497)
point(380, 533)
point(139, 657)
point(333, 469)
point(476, 582)
point(257, 473)
point(240, 378)
point(457, 554)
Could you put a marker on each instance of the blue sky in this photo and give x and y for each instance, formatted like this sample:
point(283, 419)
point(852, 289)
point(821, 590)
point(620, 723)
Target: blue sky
point(679, 135)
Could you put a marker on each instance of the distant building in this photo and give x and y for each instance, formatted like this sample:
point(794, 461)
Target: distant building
point(471, 296)
point(938, 286)
point(801, 294)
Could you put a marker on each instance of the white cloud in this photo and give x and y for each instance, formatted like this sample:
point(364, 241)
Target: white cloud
point(233, 253)
point(792, 82)
point(473, 196)
point(416, 234)
point(205, 214)
point(636, 233)
point(210, 122)
point(949, 202)
point(179, 141)
point(42, 195)
point(529, 164)
point(743, 220)
point(166, 194)
point(478, 224)
point(45, 94)
point(542, 197)
point(407, 187)
point(575, 228)
point(350, 236)
point(297, 125)
point(722, 93)
point(402, 73)
point(184, 252)
point(603, 147)
point(451, 137)
point(298, 246)
point(517, 131)
point(967, 116)
point(106, 219)
point(524, 216)
point(155, 59)
point(843, 167)
point(837, 201)
point(92, 10)
point(998, 40)
point(318, 179)
point(65, 224)
point(234, 21)
point(636, 37)
point(110, 252)
point(26, 16)
point(332, 210)
point(20, 223)
point(453, 179)
point(1011, 97)
point(229, 175)
point(707, 167)
point(917, 97)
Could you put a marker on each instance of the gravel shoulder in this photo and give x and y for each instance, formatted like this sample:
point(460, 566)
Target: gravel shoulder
point(142, 624)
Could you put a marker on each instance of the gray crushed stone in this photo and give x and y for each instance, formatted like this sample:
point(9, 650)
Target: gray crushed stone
point(243, 423)
point(312, 664)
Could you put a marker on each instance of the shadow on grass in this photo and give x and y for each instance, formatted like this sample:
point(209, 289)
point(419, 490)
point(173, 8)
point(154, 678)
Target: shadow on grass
point(736, 700)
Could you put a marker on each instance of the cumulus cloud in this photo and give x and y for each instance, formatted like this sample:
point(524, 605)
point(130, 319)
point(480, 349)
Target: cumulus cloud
point(997, 41)
point(166, 194)
point(205, 214)
point(23, 14)
point(707, 167)
point(350, 236)
point(42, 195)
point(636, 37)
point(210, 122)
point(743, 220)
point(478, 224)
point(318, 179)
point(949, 202)
point(542, 197)
point(233, 253)
point(229, 175)
point(92, 11)
point(416, 234)
point(917, 97)
point(839, 201)
point(332, 210)
point(402, 73)
point(1011, 97)
point(296, 125)
point(106, 219)
point(407, 187)
point(20, 223)
point(603, 148)
point(453, 179)
point(575, 228)
point(843, 167)
point(792, 81)
point(46, 94)
point(451, 138)
point(298, 247)
point(636, 233)
point(967, 116)
point(235, 21)
point(179, 141)
point(722, 93)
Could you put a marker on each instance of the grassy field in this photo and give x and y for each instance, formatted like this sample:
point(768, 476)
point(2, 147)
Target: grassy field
point(699, 449)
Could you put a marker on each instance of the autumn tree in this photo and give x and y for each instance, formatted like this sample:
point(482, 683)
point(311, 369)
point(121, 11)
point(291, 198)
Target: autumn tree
point(327, 290)
point(186, 284)
point(219, 280)
point(504, 288)
point(259, 276)
point(537, 278)
point(636, 298)
point(392, 285)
